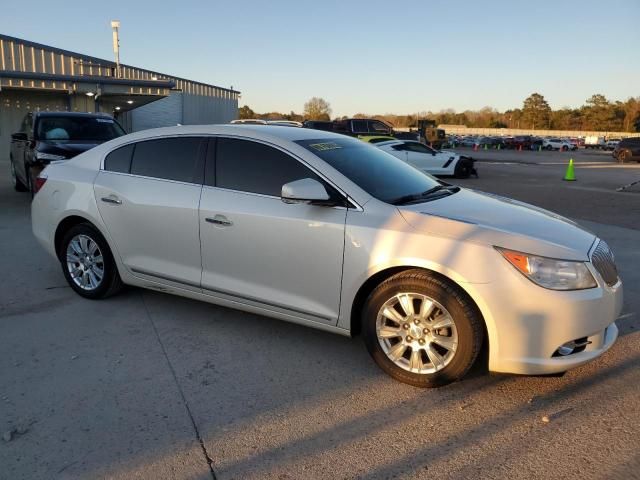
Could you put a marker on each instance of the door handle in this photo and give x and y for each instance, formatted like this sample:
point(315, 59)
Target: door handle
point(113, 200)
point(219, 220)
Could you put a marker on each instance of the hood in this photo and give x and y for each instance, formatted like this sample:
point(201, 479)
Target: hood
point(69, 148)
point(498, 221)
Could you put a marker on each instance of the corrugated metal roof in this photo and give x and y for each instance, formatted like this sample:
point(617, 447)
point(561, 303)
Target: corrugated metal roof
point(47, 57)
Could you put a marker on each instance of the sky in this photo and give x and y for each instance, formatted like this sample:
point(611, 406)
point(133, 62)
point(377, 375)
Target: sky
point(362, 56)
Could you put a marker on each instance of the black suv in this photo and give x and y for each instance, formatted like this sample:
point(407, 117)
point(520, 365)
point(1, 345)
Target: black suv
point(627, 150)
point(45, 137)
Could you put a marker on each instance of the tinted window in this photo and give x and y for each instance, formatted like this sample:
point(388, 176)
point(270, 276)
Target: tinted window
point(119, 160)
point(419, 148)
point(253, 167)
point(359, 126)
point(69, 128)
point(168, 158)
point(378, 127)
point(378, 173)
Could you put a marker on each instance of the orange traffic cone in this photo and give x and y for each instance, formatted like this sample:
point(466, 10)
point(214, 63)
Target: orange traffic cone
point(520, 147)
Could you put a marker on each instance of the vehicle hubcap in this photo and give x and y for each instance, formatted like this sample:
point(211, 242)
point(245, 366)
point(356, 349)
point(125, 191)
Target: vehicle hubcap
point(416, 333)
point(85, 262)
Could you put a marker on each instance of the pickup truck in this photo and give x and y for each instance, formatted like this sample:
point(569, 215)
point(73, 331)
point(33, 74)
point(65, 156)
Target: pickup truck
point(361, 127)
point(593, 141)
point(46, 137)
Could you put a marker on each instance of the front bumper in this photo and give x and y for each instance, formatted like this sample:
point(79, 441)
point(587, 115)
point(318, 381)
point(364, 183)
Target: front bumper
point(527, 324)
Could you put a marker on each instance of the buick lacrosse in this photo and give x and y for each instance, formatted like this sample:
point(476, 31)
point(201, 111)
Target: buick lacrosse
point(327, 231)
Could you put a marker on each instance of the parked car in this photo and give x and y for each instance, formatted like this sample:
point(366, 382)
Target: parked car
point(611, 144)
point(627, 150)
point(46, 137)
point(248, 121)
point(468, 141)
point(535, 143)
point(375, 138)
point(521, 142)
point(331, 232)
point(557, 144)
point(429, 160)
point(285, 123)
point(325, 125)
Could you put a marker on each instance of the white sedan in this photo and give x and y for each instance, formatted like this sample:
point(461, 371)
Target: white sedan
point(327, 231)
point(558, 144)
point(429, 160)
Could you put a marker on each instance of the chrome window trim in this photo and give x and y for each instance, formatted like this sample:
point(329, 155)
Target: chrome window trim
point(144, 177)
point(356, 206)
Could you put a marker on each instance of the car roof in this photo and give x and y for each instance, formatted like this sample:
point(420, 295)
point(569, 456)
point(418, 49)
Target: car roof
point(72, 114)
point(264, 132)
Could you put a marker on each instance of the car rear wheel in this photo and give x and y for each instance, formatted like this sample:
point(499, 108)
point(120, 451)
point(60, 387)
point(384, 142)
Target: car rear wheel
point(549, 147)
point(421, 330)
point(87, 263)
point(17, 183)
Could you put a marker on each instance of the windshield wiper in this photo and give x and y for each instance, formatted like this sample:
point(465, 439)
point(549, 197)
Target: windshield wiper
point(403, 200)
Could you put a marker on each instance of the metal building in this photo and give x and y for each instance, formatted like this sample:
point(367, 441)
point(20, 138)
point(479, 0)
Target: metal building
point(36, 77)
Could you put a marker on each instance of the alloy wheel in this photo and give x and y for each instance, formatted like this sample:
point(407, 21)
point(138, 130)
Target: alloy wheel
point(85, 262)
point(416, 333)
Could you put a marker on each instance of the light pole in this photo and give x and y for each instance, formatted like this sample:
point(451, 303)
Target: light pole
point(115, 25)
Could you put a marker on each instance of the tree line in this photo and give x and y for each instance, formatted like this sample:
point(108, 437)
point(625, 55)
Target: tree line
point(598, 113)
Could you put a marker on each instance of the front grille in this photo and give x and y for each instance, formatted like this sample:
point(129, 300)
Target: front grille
point(602, 259)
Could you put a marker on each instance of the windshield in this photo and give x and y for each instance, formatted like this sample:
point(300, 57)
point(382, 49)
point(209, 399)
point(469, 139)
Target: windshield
point(67, 128)
point(378, 173)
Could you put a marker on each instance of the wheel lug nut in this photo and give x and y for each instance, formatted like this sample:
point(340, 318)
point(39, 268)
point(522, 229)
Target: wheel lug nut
point(409, 338)
point(421, 341)
point(405, 326)
point(425, 331)
point(416, 321)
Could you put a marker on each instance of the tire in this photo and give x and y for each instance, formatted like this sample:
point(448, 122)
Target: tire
point(463, 169)
point(415, 361)
point(84, 237)
point(17, 183)
point(549, 148)
point(623, 156)
point(30, 180)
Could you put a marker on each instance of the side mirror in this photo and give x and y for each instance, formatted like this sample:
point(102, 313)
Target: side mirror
point(19, 136)
point(305, 190)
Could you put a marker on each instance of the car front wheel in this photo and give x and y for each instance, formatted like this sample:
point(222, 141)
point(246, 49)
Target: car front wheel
point(87, 263)
point(421, 329)
point(623, 156)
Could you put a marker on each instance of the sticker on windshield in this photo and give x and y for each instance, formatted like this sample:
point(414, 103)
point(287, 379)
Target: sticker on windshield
point(323, 147)
point(104, 120)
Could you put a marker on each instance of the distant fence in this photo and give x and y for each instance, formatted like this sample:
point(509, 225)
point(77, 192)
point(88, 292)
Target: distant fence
point(510, 132)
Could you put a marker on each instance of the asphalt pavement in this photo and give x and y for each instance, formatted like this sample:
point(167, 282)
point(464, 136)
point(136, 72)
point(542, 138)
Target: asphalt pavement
point(147, 385)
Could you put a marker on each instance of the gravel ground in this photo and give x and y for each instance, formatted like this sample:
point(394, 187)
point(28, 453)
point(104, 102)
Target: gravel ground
point(147, 385)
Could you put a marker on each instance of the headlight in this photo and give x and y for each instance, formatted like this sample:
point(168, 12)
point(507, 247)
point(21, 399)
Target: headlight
point(550, 272)
point(49, 156)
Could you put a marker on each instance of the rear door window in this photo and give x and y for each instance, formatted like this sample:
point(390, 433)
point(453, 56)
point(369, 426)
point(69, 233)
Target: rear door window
point(359, 126)
point(120, 159)
point(179, 159)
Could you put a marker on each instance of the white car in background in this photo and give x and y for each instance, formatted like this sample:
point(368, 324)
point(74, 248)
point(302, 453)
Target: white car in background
point(327, 231)
point(429, 160)
point(558, 144)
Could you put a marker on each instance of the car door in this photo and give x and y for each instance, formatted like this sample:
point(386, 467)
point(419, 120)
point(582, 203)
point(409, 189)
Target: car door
point(424, 158)
point(148, 194)
point(259, 250)
point(19, 143)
